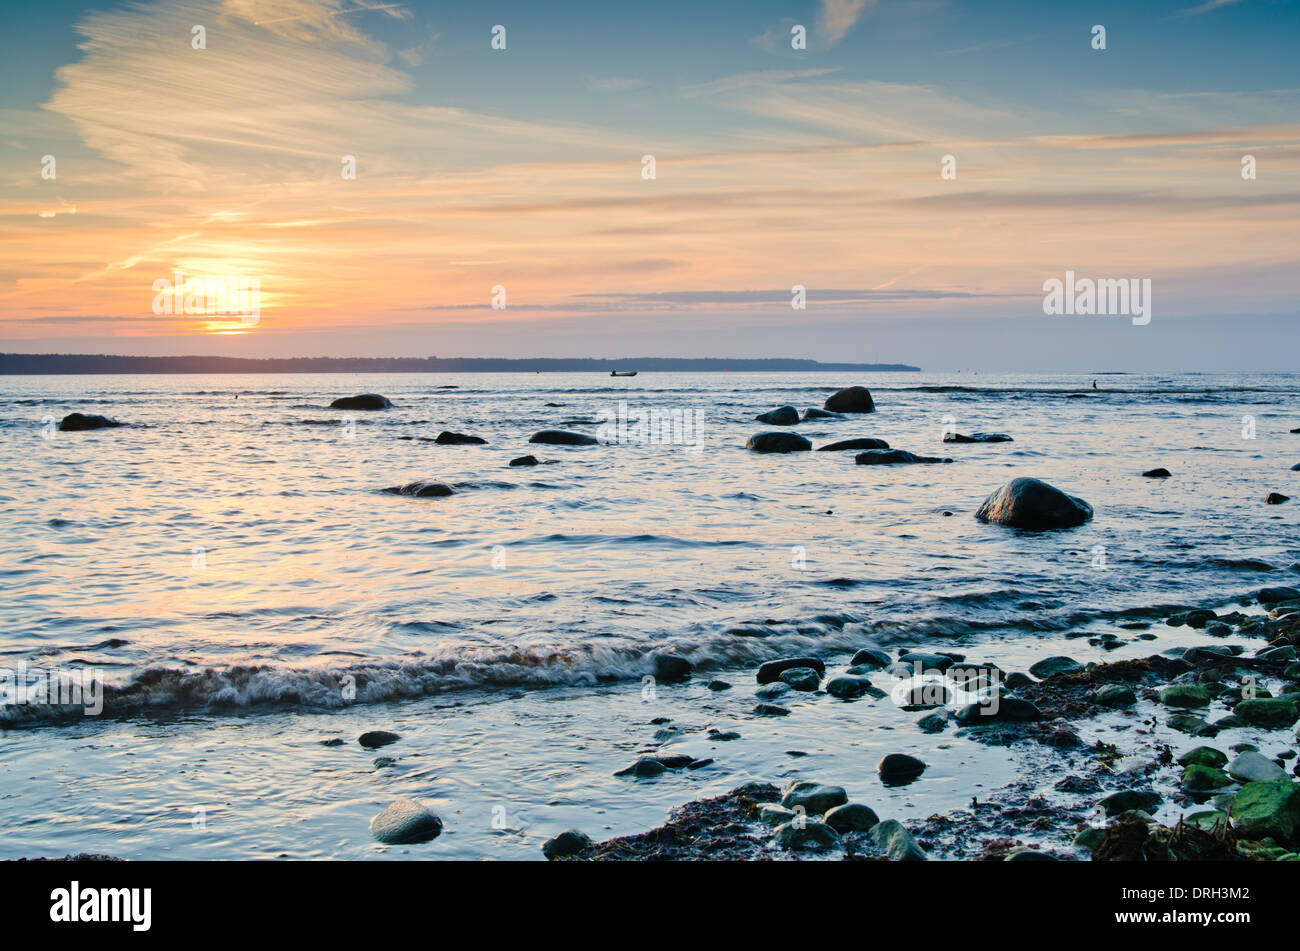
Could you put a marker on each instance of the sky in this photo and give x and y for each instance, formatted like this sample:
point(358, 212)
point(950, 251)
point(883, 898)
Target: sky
point(921, 168)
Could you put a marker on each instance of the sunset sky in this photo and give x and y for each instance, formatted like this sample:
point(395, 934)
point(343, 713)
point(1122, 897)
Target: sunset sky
point(522, 168)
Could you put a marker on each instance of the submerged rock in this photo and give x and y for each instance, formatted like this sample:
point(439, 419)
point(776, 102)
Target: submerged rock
point(78, 422)
point(849, 687)
point(1266, 712)
point(813, 413)
point(568, 843)
point(1276, 595)
point(977, 437)
point(560, 437)
point(781, 416)
point(854, 399)
point(524, 461)
point(1004, 709)
point(405, 821)
point(899, 769)
point(802, 678)
point(1252, 767)
point(1204, 756)
point(1157, 473)
point(1262, 810)
point(670, 668)
point(1127, 800)
point(421, 490)
point(1276, 498)
point(1034, 505)
point(458, 439)
point(778, 442)
point(377, 738)
point(891, 457)
point(871, 656)
point(862, 443)
point(806, 834)
point(1055, 665)
point(1204, 778)
point(851, 817)
point(813, 798)
point(362, 401)
point(1185, 695)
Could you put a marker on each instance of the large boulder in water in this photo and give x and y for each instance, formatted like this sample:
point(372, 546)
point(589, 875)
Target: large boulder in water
point(405, 821)
point(421, 490)
point(859, 444)
point(77, 422)
point(778, 442)
point(559, 437)
point(892, 457)
point(1035, 505)
point(781, 416)
point(856, 399)
point(362, 401)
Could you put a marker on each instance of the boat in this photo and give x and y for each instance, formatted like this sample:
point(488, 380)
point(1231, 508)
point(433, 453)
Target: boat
point(622, 373)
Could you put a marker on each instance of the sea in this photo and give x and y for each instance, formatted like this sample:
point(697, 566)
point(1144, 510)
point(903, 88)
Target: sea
point(234, 586)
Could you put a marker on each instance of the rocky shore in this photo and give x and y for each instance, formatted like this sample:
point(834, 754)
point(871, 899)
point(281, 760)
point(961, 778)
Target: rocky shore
point(1207, 773)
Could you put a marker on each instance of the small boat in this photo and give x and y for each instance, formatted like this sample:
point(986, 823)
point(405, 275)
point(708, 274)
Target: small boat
point(622, 373)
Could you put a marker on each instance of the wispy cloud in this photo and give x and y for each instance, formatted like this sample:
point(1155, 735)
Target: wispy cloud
point(1207, 7)
point(837, 17)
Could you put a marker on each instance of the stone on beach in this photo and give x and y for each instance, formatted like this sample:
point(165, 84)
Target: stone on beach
point(1253, 767)
point(781, 416)
point(773, 669)
point(405, 821)
point(368, 401)
point(862, 443)
point(899, 769)
point(1204, 756)
point(854, 399)
point(1261, 810)
point(898, 843)
point(813, 798)
point(802, 678)
point(851, 817)
point(1276, 595)
point(568, 843)
point(1266, 712)
point(849, 687)
point(893, 457)
point(1204, 778)
point(560, 437)
point(1003, 709)
point(871, 656)
point(1055, 665)
point(1127, 800)
point(778, 442)
point(79, 422)
point(1185, 695)
point(1034, 505)
point(806, 834)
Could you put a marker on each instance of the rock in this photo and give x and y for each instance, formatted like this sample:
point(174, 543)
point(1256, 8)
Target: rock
point(770, 710)
point(851, 817)
point(1204, 778)
point(458, 439)
point(757, 791)
point(1204, 756)
point(377, 738)
point(421, 490)
point(772, 691)
point(78, 422)
point(644, 768)
point(814, 798)
point(1157, 474)
point(566, 844)
point(1271, 714)
point(1269, 810)
point(802, 678)
point(774, 814)
point(814, 413)
point(977, 437)
point(806, 834)
point(1128, 799)
point(871, 656)
point(723, 736)
point(1276, 498)
point(928, 694)
point(675, 760)
point(405, 821)
point(897, 842)
point(716, 685)
point(864, 443)
point(1207, 821)
point(383, 762)
point(669, 668)
point(849, 687)
point(772, 670)
point(1004, 709)
point(778, 442)
point(1252, 767)
point(1055, 665)
point(1115, 695)
point(1090, 837)
point(1017, 680)
point(928, 662)
point(559, 437)
point(890, 457)
point(1193, 725)
point(1185, 695)
point(854, 399)
point(1276, 595)
point(363, 401)
point(1034, 505)
point(934, 722)
point(1029, 855)
point(524, 461)
point(899, 769)
point(781, 416)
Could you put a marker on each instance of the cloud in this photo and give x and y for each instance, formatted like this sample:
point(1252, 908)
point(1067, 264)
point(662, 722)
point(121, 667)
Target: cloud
point(837, 17)
point(615, 83)
point(1207, 7)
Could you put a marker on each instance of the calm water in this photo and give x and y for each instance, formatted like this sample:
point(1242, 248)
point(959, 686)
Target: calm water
point(233, 568)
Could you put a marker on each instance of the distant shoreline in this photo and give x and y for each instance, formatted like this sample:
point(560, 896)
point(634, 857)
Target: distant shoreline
point(44, 364)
